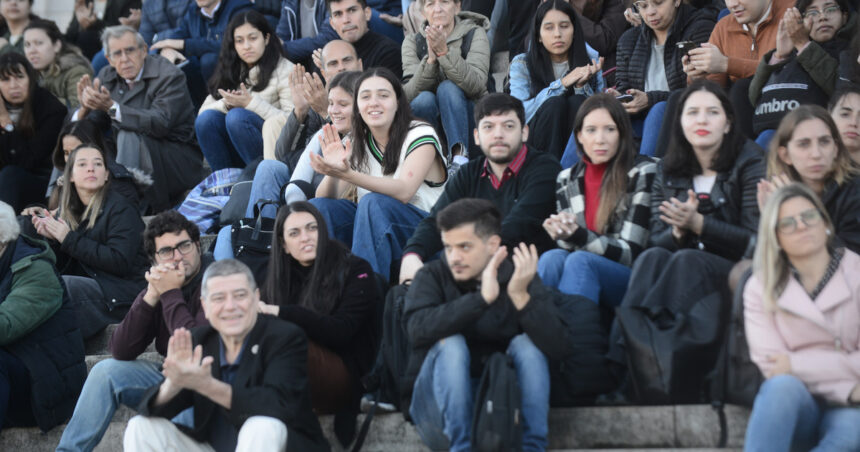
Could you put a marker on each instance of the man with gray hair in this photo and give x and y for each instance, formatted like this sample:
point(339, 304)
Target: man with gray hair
point(245, 375)
point(150, 109)
point(42, 364)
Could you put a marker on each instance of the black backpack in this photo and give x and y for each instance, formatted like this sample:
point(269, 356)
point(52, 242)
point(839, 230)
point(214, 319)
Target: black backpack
point(387, 380)
point(671, 349)
point(497, 420)
point(736, 378)
point(252, 240)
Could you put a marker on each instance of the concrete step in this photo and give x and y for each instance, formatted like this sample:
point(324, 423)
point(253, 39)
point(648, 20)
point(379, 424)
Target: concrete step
point(683, 427)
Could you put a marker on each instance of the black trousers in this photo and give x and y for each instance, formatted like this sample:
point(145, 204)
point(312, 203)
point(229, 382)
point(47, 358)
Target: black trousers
point(550, 127)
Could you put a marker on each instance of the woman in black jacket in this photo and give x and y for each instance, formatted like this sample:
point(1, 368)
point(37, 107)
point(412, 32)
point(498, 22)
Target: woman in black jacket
point(649, 61)
point(25, 162)
point(97, 239)
point(703, 208)
point(807, 148)
point(316, 283)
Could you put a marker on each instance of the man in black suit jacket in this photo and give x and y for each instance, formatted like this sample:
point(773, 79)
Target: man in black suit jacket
point(246, 378)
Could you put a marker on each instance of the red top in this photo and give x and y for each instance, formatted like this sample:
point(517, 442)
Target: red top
point(593, 180)
point(512, 170)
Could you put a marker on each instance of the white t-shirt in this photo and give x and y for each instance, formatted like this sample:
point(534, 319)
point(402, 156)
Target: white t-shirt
point(420, 133)
point(703, 184)
point(655, 78)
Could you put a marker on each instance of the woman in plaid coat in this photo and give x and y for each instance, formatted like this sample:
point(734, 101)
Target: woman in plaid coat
point(604, 209)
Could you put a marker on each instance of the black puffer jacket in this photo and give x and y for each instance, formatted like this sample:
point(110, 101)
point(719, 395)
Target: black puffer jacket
point(54, 351)
point(34, 152)
point(843, 205)
point(111, 252)
point(733, 220)
point(634, 51)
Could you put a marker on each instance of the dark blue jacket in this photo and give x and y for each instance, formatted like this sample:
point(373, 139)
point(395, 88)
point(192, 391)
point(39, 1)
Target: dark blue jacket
point(160, 16)
point(201, 34)
point(289, 30)
point(53, 352)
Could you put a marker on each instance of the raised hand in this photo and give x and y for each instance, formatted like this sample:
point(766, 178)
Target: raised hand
point(297, 91)
point(797, 27)
point(490, 276)
point(84, 14)
point(335, 159)
point(315, 93)
point(183, 366)
point(525, 267)
point(784, 46)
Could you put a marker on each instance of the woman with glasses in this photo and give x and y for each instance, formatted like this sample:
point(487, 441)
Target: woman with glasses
point(802, 320)
point(649, 61)
point(807, 148)
point(703, 208)
point(96, 236)
point(803, 69)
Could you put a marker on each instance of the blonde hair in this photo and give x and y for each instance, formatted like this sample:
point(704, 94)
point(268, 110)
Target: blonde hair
point(770, 264)
point(843, 167)
point(72, 209)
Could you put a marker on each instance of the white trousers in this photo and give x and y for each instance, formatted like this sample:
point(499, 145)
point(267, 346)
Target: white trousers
point(157, 434)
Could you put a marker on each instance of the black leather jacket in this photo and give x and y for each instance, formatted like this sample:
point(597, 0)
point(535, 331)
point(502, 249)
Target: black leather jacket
point(731, 220)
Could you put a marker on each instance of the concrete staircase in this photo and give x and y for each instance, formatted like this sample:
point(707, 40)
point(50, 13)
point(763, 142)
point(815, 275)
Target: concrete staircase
point(681, 427)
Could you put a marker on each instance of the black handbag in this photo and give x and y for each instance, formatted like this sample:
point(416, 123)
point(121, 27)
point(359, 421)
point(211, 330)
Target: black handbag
point(252, 240)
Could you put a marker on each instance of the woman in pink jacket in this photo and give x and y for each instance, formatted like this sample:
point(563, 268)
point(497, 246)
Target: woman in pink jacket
point(802, 316)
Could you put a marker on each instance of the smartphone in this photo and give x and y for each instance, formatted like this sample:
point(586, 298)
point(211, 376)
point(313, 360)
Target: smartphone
point(624, 98)
point(687, 46)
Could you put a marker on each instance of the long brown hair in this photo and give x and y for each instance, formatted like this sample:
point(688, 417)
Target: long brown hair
point(844, 169)
point(614, 185)
point(72, 209)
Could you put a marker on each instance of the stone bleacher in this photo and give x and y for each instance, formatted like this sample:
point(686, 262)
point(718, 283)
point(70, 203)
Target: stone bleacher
point(680, 427)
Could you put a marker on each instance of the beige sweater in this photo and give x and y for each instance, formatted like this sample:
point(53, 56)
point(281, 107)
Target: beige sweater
point(275, 99)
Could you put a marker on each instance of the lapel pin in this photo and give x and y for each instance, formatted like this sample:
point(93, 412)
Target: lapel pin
point(255, 349)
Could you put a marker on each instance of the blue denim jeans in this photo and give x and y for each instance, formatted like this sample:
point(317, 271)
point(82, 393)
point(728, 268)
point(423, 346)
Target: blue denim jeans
point(647, 128)
point(597, 278)
point(377, 228)
point(449, 108)
point(443, 395)
point(785, 417)
point(232, 140)
point(271, 175)
point(109, 383)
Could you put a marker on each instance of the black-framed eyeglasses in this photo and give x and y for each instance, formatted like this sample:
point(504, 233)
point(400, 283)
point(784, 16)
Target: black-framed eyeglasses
point(809, 217)
point(184, 248)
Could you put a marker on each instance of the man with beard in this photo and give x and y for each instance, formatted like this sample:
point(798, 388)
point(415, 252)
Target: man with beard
point(518, 180)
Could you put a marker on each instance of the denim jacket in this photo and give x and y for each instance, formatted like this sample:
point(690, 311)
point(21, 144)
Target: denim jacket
point(521, 84)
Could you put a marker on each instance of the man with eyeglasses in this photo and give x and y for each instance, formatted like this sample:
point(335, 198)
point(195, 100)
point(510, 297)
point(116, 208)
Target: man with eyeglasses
point(170, 301)
point(151, 112)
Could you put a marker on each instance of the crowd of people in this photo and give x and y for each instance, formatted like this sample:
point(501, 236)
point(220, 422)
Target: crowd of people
point(652, 155)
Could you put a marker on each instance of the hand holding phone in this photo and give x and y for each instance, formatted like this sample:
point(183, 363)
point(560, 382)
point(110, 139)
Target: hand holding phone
point(686, 46)
point(624, 98)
